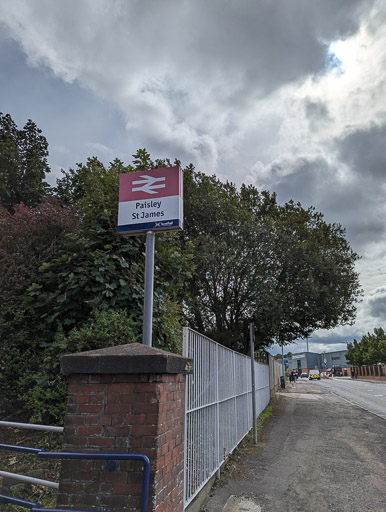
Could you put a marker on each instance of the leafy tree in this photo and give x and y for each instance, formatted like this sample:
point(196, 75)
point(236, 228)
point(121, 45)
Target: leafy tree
point(42, 388)
point(241, 257)
point(28, 238)
point(371, 349)
point(316, 285)
point(353, 354)
point(231, 256)
point(98, 269)
point(281, 266)
point(91, 273)
point(92, 190)
point(23, 163)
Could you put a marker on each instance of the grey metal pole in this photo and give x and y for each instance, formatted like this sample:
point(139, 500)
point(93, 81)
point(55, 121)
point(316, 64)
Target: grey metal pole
point(282, 362)
point(149, 287)
point(252, 336)
point(31, 426)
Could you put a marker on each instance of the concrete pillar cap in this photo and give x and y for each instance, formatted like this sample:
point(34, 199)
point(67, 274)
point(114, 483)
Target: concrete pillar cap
point(130, 358)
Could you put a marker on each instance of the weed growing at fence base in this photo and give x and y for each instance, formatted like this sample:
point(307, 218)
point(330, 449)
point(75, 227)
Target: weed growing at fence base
point(267, 413)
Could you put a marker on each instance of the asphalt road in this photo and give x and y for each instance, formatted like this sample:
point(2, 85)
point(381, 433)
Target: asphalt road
point(318, 452)
point(369, 395)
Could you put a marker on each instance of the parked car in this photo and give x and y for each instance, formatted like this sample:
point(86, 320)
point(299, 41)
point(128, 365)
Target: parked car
point(313, 374)
point(304, 375)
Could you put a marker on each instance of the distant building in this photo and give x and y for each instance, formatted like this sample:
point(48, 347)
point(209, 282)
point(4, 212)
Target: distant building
point(305, 361)
point(336, 359)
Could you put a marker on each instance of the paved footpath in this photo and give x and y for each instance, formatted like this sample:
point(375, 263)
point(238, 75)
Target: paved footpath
point(317, 453)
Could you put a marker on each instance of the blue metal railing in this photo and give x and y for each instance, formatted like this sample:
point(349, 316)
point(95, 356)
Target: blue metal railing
point(110, 464)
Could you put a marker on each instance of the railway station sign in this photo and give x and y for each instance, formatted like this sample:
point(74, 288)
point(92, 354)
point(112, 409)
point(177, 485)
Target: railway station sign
point(151, 201)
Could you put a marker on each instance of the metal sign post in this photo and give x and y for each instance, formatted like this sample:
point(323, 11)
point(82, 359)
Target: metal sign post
point(149, 287)
point(252, 336)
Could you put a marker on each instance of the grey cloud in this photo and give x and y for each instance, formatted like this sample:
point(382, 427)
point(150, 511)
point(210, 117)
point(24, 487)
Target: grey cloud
point(304, 178)
point(258, 45)
point(376, 304)
point(351, 202)
point(275, 40)
point(183, 74)
point(325, 342)
point(364, 151)
point(316, 113)
point(67, 114)
point(333, 339)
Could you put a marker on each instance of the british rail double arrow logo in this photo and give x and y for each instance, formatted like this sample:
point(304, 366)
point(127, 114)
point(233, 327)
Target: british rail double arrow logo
point(148, 184)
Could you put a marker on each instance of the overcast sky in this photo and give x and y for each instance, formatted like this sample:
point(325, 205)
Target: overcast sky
point(288, 95)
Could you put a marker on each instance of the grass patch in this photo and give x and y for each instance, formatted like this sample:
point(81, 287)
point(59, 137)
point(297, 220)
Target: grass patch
point(247, 444)
point(267, 413)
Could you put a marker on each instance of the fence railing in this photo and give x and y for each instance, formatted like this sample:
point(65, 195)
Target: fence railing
point(218, 406)
point(110, 459)
point(276, 371)
point(31, 426)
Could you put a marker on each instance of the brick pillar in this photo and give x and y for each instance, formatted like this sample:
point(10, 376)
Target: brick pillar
point(125, 399)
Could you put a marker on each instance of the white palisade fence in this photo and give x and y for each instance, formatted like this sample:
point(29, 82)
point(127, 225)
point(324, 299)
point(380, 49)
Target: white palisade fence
point(218, 406)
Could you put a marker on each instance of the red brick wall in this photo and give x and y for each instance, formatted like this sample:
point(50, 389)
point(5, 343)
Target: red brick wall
point(372, 372)
point(124, 413)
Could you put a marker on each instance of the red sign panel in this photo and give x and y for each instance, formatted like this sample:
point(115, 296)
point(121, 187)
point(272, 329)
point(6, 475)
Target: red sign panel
point(150, 200)
point(148, 184)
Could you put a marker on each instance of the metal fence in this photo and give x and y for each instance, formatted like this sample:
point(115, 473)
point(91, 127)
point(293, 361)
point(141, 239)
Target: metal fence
point(218, 406)
point(275, 372)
